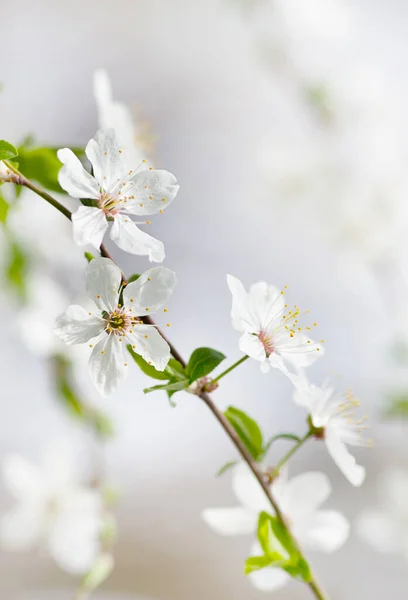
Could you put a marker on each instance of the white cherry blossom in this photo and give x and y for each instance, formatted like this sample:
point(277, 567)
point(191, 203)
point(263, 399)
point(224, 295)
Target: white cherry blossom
point(116, 325)
point(386, 528)
point(299, 498)
point(52, 510)
point(118, 188)
point(333, 414)
point(270, 330)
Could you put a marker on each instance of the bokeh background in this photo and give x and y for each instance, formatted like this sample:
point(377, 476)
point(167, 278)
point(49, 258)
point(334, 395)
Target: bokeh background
point(286, 125)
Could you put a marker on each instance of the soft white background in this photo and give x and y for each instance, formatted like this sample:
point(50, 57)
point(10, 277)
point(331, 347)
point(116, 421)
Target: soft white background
point(192, 71)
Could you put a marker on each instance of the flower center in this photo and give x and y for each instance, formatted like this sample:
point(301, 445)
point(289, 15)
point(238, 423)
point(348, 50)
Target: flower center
point(118, 321)
point(108, 204)
point(267, 342)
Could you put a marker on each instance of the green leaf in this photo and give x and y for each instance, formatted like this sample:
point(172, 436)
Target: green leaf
point(280, 436)
point(133, 277)
point(176, 386)
point(147, 369)
point(99, 572)
point(7, 150)
point(255, 563)
point(274, 539)
point(226, 467)
point(41, 165)
point(280, 549)
point(4, 208)
point(203, 361)
point(248, 431)
point(16, 268)
point(397, 407)
point(89, 256)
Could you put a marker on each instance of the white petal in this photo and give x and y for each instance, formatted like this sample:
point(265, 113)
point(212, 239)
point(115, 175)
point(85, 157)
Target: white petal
point(89, 225)
point(150, 345)
point(296, 350)
point(73, 178)
point(344, 460)
point(23, 479)
point(153, 191)
point(242, 318)
point(247, 489)
point(267, 302)
point(251, 344)
point(231, 521)
point(74, 535)
point(103, 279)
point(151, 291)
point(380, 530)
point(305, 493)
point(77, 326)
point(324, 530)
point(269, 579)
point(108, 158)
point(131, 239)
point(21, 528)
point(107, 364)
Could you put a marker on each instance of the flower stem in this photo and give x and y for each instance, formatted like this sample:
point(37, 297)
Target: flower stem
point(83, 594)
point(231, 368)
point(292, 451)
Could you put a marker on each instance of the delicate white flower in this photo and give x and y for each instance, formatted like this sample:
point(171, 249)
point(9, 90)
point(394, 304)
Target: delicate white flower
point(270, 331)
point(52, 509)
point(386, 529)
point(120, 188)
point(333, 414)
point(115, 115)
point(299, 499)
point(118, 325)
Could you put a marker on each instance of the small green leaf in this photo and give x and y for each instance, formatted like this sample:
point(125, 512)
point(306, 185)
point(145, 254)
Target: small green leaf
point(247, 429)
point(300, 571)
point(273, 539)
point(7, 150)
point(255, 563)
point(226, 467)
point(397, 407)
point(41, 165)
point(16, 268)
point(203, 361)
point(89, 256)
point(4, 208)
point(133, 277)
point(147, 369)
point(176, 386)
point(99, 572)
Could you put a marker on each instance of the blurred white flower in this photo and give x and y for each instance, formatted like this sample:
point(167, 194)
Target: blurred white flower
point(118, 325)
point(270, 331)
point(53, 509)
point(299, 499)
point(120, 188)
point(386, 528)
point(333, 414)
point(115, 115)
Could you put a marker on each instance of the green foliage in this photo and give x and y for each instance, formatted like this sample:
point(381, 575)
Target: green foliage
point(226, 467)
point(41, 165)
point(133, 277)
point(85, 413)
point(99, 572)
point(16, 267)
point(279, 550)
point(4, 208)
point(248, 431)
point(173, 374)
point(397, 407)
point(7, 150)
point(202, 362)
point(89, 256)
